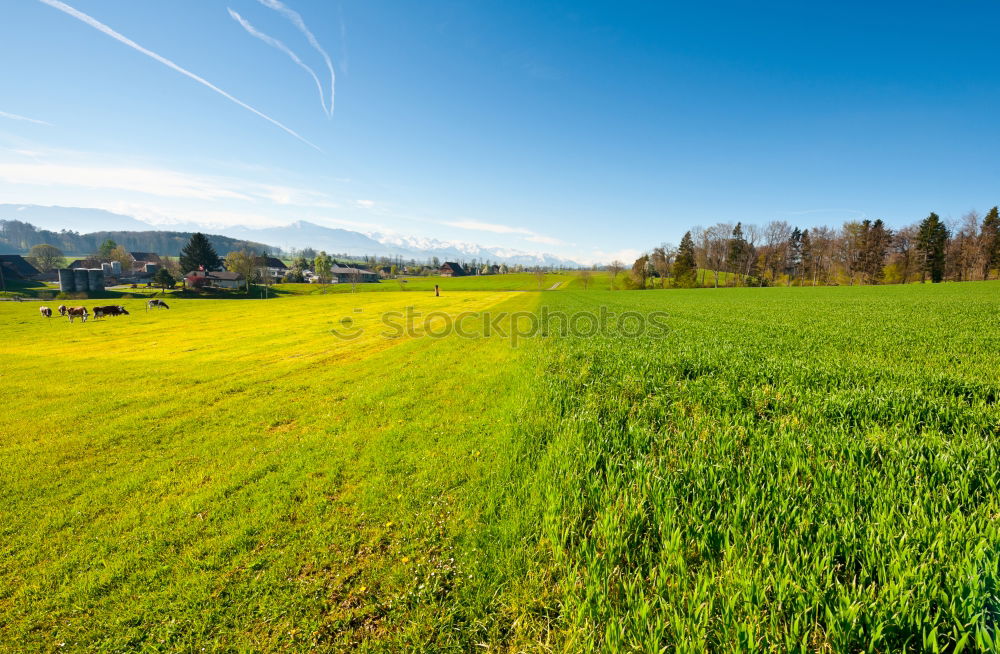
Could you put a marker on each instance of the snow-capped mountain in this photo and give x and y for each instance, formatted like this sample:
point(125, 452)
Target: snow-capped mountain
point(297, 235)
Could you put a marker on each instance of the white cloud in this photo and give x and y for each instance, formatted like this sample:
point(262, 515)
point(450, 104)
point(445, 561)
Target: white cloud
point(478, 226)
point(4, 114)
point(365, 204)
point(625, 255)
point(163, 183)
point(494, 228)
point(544, 240)
point(61, 170)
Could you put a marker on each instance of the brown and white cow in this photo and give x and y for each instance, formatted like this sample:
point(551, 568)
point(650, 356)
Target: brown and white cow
point(62, 309)
point(45, 311)
point(77, 312)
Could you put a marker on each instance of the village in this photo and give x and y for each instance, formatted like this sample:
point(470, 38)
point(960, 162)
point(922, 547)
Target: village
point(119, 269)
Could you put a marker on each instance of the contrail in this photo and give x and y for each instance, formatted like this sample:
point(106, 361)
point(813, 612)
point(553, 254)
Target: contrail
point(296, 19)
point(101, 27)
point(275, 43)
point(4, 114)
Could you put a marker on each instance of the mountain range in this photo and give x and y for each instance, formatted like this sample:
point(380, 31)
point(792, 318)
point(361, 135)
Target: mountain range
point(298, 235)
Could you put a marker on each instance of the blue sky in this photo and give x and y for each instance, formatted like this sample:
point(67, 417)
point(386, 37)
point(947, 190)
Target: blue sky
point(589, 130)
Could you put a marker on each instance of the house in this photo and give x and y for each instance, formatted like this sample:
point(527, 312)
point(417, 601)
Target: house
point(346, 275)
point(145, 257)
point(451, 269)
point(17, 267)
point(84, 263)
point(218, 279)
point(273, 267)
point(145, 264)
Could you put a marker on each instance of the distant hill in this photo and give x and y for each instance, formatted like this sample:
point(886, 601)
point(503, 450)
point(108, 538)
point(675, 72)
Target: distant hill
point(77, 219)
point(102, 224)
point(18, 237)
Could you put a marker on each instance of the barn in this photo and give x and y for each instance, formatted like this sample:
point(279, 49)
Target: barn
point(451, 269)
point(14, 266)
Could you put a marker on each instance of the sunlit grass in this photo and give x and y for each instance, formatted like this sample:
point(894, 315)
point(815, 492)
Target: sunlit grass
point(785, 469)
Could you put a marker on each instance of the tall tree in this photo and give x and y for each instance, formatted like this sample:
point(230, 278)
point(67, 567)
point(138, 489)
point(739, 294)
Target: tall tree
point(932, 239)
point(45, 257)
point(903, 253)
point(640, 271)
point(199, 253)
point(323, 265)
point(989, 242)
point(661, 264)
point(104, 252)
point(244, 263)
point(614, 269)
point(736, 255)
point(875, 245)
point(808, 257)
point(776, 236)
point(685, 270)
point(793, 254)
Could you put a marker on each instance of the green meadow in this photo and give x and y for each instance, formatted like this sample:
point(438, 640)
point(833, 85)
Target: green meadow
point(777, 469)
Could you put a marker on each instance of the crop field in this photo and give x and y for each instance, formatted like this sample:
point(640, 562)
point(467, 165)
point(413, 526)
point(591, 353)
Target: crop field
point(509, 282)
point(778, 469)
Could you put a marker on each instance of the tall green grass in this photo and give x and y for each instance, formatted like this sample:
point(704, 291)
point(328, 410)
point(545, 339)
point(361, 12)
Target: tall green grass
point(784, 470)
point(789, 469)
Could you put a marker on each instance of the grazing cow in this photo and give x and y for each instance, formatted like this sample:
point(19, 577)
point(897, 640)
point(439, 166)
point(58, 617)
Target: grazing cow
point(77, 312)
point(45, 311)
point(156, 304)
point(110, 310)
point(62, 309)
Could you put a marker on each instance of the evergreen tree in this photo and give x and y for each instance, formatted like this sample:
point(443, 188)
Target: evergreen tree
point(164, 279)
point(990, 241)
point(876, 244)
point(684, 263)
point(806, 250)
point(737, 255)
point(199, 252)
point(932, 239)
point(793, 254)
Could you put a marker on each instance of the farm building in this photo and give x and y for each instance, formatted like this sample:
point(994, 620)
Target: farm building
point(145, 264)
point(345, 275)
point(17, 267)
point(273, 267)
point(218, 279)
point(451, 269)
point(84, 263)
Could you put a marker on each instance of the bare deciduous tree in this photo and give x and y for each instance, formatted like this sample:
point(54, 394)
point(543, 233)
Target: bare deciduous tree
point(614, 269)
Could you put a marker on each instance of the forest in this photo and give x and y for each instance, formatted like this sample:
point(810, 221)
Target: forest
point(18, 237)
point(861, 252)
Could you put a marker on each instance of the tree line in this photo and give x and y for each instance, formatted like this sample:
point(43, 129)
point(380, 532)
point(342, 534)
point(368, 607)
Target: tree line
point(859, 252)
point(19, 237)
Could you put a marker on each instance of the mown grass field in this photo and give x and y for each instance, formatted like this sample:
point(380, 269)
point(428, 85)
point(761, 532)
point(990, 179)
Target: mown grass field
point(783, 469)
